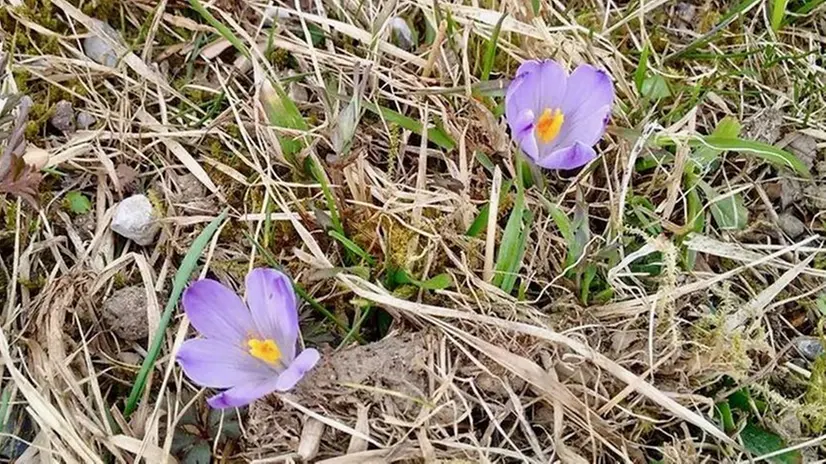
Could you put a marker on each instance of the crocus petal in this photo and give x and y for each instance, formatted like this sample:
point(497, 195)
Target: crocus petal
point(538, 85)
point(587, 129)
point(571, 157)
point(273, 305)
point(524, 134)
point(217, 312)
point(589, 90)
point(243, 394)
point(218, 364)
point(295, 372)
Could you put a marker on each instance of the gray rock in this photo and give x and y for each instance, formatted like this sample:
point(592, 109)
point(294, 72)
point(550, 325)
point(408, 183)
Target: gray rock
point(99, 49)
point(764, 126)
point(401, 33)
point(135, 219)
point(190, 189)
point(685, 13)
point(125, 313)
point(790, 191)
point(809, 347)
point(85, 120)
point(804, 147)
point(63, 118)
point(791, 225)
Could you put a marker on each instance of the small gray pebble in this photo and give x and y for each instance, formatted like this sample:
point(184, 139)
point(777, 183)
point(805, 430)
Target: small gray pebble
point(85, 120)
point(125, 313)
point(99, 49)
point(809, 347)
point(791, 225)
point(63, 118)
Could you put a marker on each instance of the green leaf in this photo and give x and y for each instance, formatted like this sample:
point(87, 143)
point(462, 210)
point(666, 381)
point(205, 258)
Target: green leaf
point(727, 128)
point(480, 223)
point(282, 112)
point(587, 279)
point(642, 68)
point(741, 400)
point(655, 87)
point(182, 441)
point(199, 454)
point(580, 233)
point(439, 282)
point(694, 211)
point(535, 7)
point(729, 212)
point(485, 161)
point(321, 177)
point(345, 130)
point(760, 441)
point(223, 30)
point(695, 218)
point(434, 134)
point(78, 203)
point(181, 279)
point(563, 223)
point(808, 7)
point(723, 410)
point(511, 249)
point(761, 150)
point(490, 50)
point(778, 13)
point(352, 246)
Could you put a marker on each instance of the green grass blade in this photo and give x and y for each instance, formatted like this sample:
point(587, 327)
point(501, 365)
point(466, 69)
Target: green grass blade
point(778, 13)
point(642, 68)
point(760, 441)
point(741, 8)
point(283, 112)
point(563, 223)
point(808, 7)
point(508, 257)
point(490, 50)
point(728, 127)
point(479, 223)
point(510, 273)
point(321, 177)
point(434, 134)
point(220, 27)
point(730, 212)
point(761, 150)
point(352, 246)
point(181, 280)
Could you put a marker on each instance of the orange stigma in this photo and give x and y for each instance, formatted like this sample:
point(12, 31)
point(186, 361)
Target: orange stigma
point(549, 124)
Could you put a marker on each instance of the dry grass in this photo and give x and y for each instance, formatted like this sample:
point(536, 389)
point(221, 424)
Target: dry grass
point(617, 338)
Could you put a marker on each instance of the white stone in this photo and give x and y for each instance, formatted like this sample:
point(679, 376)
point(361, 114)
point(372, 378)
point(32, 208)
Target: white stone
point(401, 33)
point(135, 219)
point(85, 120)
point(99, 50)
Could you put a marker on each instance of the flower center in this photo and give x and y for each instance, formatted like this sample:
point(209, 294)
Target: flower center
point(265, 350)
point(549, 124)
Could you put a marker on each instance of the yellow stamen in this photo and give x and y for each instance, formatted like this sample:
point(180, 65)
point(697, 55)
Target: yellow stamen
point(549, 124)
point(265, 350)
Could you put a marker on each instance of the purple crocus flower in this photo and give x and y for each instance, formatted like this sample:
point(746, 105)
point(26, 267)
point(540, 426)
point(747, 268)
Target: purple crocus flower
point(249, 352)
point(555, 118)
